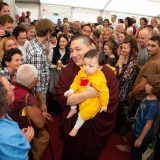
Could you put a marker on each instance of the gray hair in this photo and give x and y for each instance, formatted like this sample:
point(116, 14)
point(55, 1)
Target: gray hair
point(26, 73)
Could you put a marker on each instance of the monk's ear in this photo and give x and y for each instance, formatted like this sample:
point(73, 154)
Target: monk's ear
point(92, 46)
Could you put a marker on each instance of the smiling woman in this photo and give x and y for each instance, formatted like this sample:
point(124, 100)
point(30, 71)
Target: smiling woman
point(12, 59)
point(127, 69)
point(61, 55)
point(6, 44)
point(61, 51)
point(4, 9)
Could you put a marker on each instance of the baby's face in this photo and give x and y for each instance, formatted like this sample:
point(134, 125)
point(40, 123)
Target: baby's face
point(90, 65)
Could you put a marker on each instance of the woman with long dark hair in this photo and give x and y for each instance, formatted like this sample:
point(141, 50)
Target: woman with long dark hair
point(127, 70)
point(128, 25)
point(61, 51)
point(61, 55)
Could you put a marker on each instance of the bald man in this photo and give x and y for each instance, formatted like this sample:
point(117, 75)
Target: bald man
point(120, 28)
point(143, 38)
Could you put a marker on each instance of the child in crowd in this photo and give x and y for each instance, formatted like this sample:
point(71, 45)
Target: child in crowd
point(89, 75)
point(144, 126)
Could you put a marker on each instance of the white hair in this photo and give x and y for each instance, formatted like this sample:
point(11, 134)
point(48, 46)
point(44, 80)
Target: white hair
point(26, 73)
point(121, 24)
point(100, 28)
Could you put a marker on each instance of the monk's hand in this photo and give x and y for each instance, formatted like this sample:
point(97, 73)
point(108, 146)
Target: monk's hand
point(68, 93)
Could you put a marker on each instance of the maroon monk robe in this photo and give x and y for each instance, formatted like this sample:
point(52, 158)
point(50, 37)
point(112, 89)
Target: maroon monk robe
point(92, 136)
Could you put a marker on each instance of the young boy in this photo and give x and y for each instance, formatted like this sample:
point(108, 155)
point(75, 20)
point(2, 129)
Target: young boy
point(90, 74)
point(144, 124)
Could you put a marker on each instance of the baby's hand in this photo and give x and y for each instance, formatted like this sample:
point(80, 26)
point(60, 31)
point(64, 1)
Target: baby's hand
point(68, 93)
point(103, 109)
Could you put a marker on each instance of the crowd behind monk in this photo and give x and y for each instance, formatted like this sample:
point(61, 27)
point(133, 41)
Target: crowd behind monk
point(39, 62)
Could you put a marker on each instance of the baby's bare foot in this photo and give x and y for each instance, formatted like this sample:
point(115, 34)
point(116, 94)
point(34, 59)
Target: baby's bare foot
point(73, 132)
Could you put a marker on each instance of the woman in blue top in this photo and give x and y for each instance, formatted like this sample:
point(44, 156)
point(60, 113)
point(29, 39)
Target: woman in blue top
point(143, 131)
point(14, 143)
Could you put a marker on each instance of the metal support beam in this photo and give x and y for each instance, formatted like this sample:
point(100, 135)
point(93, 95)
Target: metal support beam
point(106, 5)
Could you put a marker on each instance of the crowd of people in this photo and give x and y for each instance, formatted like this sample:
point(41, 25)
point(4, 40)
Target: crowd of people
point(99, 78)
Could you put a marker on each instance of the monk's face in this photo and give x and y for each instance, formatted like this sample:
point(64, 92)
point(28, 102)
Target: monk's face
point(78, 50)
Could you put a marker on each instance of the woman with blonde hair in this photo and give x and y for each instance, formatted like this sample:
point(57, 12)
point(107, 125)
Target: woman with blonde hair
point(100, 28)
point(6, 44)
point(109, 36)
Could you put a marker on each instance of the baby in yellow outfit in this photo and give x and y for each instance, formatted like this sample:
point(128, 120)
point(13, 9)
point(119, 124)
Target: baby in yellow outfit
point(90, 74)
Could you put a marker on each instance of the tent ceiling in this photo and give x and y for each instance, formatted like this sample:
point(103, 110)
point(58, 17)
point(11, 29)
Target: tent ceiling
point(139, 7)
point(28, 1)
point(93, 4)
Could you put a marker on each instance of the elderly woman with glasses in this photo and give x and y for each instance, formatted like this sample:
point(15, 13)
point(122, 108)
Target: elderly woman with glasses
point(14, 143)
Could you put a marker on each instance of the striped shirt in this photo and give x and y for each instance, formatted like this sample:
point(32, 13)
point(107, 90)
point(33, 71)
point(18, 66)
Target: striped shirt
point(6, 74)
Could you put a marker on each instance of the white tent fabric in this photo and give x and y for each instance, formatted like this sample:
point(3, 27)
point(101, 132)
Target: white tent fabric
point(139, 7)
point(92, 4)
point(88, 10)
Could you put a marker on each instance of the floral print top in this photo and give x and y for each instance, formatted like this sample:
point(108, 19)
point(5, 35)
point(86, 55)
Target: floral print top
point(127, 77)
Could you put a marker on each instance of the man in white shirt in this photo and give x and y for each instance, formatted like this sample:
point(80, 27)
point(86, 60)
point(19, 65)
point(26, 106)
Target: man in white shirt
point(21, 38)
point(114, 23)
